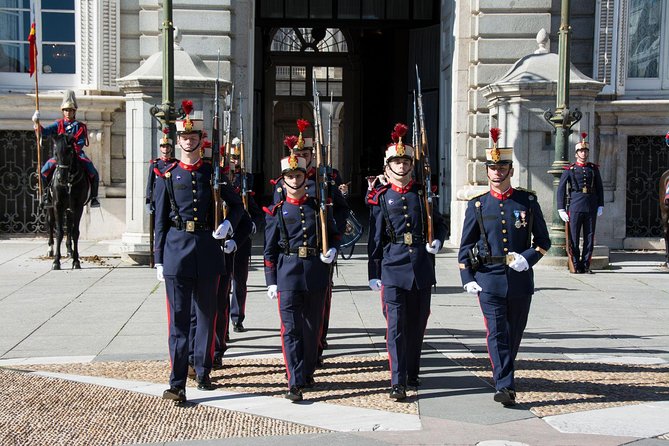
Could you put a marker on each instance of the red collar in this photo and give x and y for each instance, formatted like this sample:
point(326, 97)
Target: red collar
point(191, 167)
point(299, 202)
point(312, 172)
point(581, 164)
point(503, 196)
point(402, 190)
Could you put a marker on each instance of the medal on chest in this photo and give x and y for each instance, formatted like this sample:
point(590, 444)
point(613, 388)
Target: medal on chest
point(518, 223)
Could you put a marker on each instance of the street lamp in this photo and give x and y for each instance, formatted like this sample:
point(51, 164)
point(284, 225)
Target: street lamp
point(166, 113)
point(562, 121)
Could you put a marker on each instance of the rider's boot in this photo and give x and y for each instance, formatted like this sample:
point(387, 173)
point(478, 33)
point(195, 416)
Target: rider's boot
point(94, 203)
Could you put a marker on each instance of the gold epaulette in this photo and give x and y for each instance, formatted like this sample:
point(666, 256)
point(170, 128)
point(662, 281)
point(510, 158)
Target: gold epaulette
point(480, 194)
point(529, 191)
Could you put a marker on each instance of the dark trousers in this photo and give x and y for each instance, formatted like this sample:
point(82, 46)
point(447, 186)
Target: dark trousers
point(301, 313)
point(326, 315)
point(239, 279)
point(181, 293)
point(406, 313)
point(505, 320)
point(582, 222)
point(222, 314)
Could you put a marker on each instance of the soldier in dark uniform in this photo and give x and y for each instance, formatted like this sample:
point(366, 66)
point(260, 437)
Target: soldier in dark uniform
point(79, 131)
point(504, 234)
point(242, 253)
point(188, 254)
point(297, 272)
point(401, 259)
point(581, 185)
point(303, 147)
point(158, 166)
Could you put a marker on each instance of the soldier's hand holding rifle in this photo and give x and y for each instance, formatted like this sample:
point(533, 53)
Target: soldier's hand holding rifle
point(563, 215)
point(519, 263)
point(473, 288)
point(223, 230)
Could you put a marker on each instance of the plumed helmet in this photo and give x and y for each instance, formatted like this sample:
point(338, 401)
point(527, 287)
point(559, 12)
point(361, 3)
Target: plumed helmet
point(497, 155)
point(398, 148)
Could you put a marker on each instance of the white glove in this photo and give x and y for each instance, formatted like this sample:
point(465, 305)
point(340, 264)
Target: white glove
point(36, 117)
point(600, 211)
point(253, 228)
point(222, 231)
point(473, 288)
point(519, 263)
point(272, 292)
point(159, 272)
point(375, 284)
point(329, 256)
point(563, 215)
point(434, 247)
point(230, 246)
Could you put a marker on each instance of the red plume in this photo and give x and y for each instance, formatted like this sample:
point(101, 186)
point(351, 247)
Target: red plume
point(166, 130)
point(301, 125)
point(187, 106)
point(206, 144)
point(290, 141)
point(400, 130)
point(394, 137)
point(494, 134)
point(584, 135)
point(221, 150)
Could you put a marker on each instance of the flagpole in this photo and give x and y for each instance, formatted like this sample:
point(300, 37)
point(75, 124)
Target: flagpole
point(38, 129)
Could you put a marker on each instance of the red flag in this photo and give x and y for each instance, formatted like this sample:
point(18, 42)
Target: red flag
point(33, 49)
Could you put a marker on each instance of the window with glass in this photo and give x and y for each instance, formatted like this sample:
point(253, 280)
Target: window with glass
point(648, 58)
point(55, 36)
point(291, 80)
point(319, 40)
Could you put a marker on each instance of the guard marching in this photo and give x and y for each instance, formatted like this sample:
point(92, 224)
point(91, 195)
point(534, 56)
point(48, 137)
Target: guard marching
point(297, 272)
point(580, 200)
point(188, 254)
point(504, 234)
point(78, 130)
point(401, 261)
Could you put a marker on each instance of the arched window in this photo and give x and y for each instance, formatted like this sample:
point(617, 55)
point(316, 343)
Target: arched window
point(319, 40)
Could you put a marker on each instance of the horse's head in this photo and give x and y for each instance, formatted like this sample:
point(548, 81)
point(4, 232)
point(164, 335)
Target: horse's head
point(63, 149)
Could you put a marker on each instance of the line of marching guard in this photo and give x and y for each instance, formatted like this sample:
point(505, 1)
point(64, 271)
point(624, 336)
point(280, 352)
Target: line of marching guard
point(204, 260)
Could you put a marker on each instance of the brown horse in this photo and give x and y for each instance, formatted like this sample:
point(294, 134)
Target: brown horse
point(664, 212)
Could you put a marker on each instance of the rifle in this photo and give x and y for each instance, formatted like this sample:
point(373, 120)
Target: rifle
point(242, 170)
point(567, 240)
point(423, 170)
point(227, 117)
point(216, 153)
point(323, 180)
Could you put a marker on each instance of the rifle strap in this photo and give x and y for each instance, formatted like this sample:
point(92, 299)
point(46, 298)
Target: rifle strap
point(479, 220)
point(284, 243)
point(389, 225)
point(529, 227)
point(173, 202)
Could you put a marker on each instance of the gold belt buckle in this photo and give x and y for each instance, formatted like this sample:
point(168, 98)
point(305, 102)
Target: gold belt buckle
point(302, 251)
point(408, 238)
point(585, 189)
point(509, 258)
point(190, 226)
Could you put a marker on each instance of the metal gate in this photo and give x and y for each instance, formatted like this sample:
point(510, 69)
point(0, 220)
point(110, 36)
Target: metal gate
point(19, 205)
point(647, 159)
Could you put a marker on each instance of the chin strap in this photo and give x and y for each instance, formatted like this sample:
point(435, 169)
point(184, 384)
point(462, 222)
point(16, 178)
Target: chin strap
point(296, 187)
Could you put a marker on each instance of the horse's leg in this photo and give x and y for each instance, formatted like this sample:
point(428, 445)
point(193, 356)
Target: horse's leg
point(59, 238)
point(666, 241)
point(74, 231)
point(50, 221)
point(68, 232)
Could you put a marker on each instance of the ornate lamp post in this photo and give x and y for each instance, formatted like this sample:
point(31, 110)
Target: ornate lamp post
point(166, 113)
point(562, 121)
